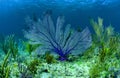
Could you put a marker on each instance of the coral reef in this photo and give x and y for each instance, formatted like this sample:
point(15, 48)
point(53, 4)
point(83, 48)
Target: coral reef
point(61, 52)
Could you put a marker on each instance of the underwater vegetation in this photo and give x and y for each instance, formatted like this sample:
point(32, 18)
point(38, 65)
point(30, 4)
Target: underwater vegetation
point(9, 43)
point(49, 58)
point(53, 51)
point(33, 66)
point(30, 47)
point(107, 45)
point(55, 39)
point(4, 68)
point(24, 72)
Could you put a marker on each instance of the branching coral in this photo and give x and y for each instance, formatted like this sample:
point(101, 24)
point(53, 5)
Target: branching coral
point(58, 39)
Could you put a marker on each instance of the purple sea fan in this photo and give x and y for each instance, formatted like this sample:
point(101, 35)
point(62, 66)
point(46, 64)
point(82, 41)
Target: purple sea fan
point(57, 39)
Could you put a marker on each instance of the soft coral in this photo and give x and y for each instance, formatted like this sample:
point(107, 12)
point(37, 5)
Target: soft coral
point(60, 40)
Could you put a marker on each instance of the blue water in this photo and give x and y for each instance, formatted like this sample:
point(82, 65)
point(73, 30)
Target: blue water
point(76, 12)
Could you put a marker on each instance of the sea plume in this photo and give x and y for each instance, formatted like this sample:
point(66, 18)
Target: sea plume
point(58, 39)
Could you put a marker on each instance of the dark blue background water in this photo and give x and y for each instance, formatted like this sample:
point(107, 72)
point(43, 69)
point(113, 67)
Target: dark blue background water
point(76, 12)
